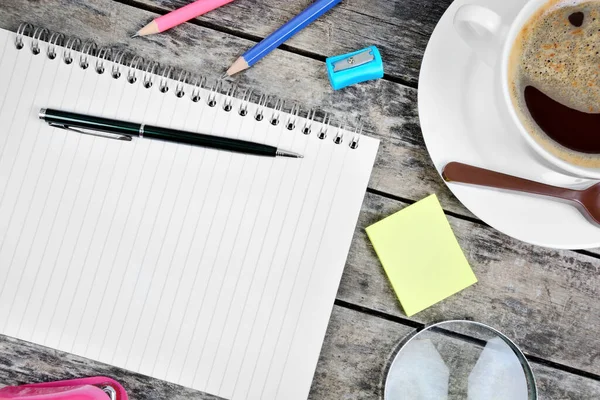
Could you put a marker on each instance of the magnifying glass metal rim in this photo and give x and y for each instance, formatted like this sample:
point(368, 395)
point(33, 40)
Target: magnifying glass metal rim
point(530, 378)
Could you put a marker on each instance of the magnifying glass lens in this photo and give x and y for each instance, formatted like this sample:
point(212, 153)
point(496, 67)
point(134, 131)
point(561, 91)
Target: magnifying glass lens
point(459, 360)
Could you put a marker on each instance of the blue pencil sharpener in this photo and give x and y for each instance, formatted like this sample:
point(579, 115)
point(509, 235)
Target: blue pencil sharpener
point(359, 66)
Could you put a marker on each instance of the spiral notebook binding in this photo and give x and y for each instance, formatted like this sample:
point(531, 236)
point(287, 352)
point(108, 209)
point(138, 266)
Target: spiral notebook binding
point(198, 83)
point(356, 137)
point(118, 60)
point(324, 127)
point(165, 75)
point(274, 120)
point(262, 103)
point(22, 31)
point(104, 54)
point(56, 39)
point(229, 96)
point(182, 80)
point(38, 34)
point(149, 72)
point(89, 49)
point(339, 136)
point(243, 109)
point(293, 116)
point(310, 118)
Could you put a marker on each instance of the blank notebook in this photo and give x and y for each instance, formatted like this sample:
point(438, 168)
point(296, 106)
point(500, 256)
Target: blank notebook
point(209, 269)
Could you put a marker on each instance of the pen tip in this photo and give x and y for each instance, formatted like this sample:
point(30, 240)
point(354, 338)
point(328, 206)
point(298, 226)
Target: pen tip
point(286, 153)
point(135, 35)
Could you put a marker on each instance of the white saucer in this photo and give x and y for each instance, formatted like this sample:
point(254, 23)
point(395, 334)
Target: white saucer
point(462, 121)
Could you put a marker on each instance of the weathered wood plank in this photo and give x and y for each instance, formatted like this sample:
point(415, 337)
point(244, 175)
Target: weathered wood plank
point(353, 361)
point(388, 110)
point(547, 301)
point(400, 29)
point(23, 362)
point(358, 348)
point(541, 322)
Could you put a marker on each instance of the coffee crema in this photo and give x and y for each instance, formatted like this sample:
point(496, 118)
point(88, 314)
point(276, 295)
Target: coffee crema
point(554, 73)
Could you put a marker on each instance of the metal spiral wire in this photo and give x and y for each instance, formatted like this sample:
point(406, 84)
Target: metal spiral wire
point(38, 34)
point(150, 74)
point(357, 135)
point(198, 84)
point(229, 97)
point(243, 109)
point(181, 81)
point(56, 39)
point(274, 120)
point(104, 54)
point(211, 99)
point(293, 116)
point(73, 44)
point(324, 127)
point(117, 63)
point(23, 30)
point(310, 118)
point(339, 136)
point(135, 65)
point(163, 85)
point(262, 103)
point(88, 50)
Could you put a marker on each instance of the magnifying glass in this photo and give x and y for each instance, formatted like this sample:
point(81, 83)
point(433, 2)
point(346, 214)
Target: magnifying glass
point(459, 360)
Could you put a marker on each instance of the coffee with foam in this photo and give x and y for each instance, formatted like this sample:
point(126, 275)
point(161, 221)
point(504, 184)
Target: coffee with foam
point(554, 74)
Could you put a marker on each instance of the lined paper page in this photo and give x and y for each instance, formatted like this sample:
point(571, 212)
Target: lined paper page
point(210, 269)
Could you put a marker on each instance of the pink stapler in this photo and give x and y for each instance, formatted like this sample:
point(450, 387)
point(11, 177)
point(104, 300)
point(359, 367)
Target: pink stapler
point(94, 388)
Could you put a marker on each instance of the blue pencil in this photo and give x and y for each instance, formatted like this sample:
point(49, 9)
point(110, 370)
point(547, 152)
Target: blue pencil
point(286, 31)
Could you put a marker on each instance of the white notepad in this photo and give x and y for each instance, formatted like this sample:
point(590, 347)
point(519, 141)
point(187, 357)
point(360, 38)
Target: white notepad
point(209, 269)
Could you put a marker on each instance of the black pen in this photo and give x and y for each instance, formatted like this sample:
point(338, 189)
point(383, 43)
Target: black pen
point(122, 130)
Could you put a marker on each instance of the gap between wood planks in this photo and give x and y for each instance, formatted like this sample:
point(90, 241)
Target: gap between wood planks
point(251, 37)
point(400, 81)
point(317, 57)
point(403, 82)
point(419, 325)
point(460, 216)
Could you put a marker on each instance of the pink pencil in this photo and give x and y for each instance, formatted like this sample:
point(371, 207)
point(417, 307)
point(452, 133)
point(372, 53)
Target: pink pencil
point(180, 16)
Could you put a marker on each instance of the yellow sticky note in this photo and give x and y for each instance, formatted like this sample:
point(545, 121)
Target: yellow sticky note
point(420, 255)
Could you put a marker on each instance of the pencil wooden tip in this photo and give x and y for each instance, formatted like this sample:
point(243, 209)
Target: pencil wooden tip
point(149, 29)
point(239, 65)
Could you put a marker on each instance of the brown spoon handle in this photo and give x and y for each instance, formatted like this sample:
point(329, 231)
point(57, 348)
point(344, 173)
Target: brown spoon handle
point(463, 173)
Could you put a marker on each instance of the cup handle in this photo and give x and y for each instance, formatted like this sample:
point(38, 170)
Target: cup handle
point(482, 29)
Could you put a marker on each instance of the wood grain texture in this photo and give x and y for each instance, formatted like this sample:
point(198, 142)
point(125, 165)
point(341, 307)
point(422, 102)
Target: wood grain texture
point(352, 366)
point(400, 29)
point(545, 300)
point(23, 362)
point(388, 110)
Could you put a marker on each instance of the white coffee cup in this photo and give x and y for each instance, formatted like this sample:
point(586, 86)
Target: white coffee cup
point(492, 39)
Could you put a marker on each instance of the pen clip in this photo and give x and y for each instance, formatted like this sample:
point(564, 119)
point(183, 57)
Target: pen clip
point(356, 60)
point(116, 136)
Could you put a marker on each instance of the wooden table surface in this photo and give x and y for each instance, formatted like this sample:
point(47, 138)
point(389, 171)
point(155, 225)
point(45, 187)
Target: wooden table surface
point(546, 300)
